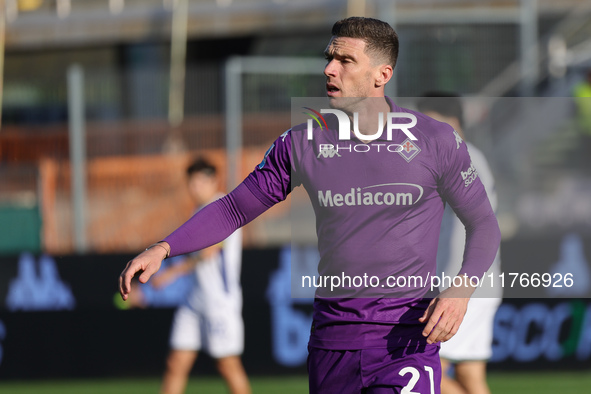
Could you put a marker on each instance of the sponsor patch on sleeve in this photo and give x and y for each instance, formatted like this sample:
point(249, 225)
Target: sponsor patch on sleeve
point(469, 175)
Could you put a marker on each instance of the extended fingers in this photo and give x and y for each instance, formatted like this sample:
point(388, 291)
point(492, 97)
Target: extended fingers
point(126, 276)
point(432, 316)
point(123, 289)
point(441, 331)
point(453, 330)
point(125, 281)
point(428, 312)
point(444, 321)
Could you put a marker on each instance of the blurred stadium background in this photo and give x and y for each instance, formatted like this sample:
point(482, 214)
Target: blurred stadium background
point(103, 102)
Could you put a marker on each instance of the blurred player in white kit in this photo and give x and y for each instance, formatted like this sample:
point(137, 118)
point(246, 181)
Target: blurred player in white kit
point(211, 318)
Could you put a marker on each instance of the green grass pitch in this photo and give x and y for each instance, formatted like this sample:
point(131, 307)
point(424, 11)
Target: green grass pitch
point(501, 383)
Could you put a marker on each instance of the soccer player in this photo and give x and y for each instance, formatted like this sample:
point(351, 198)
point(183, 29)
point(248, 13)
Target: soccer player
point(378, 211)
point(471, 347)
point(211, 317)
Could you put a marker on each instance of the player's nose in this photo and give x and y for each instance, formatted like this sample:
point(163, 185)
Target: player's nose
point(330, 69)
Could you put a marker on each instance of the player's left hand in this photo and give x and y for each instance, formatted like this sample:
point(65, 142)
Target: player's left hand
point(445, 314)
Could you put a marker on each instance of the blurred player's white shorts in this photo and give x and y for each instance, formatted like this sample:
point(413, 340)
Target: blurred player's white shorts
point(219, 333)
point(473, 341)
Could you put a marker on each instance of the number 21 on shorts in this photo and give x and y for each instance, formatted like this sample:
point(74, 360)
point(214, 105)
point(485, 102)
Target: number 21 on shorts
point(414, 378)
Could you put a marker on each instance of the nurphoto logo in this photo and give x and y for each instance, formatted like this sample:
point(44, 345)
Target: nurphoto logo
point(345, 124)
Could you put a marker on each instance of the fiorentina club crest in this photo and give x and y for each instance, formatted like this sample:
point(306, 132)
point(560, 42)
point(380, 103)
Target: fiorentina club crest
point(409, 150)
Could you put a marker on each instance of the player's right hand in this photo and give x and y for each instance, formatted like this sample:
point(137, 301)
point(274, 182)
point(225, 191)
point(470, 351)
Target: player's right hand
point(147, 262)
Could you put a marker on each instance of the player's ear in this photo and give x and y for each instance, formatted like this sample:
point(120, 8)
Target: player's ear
point(383, 75)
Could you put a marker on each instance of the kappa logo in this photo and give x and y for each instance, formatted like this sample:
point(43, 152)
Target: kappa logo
point(38, 286)
point(328, 151)
point(284, 135)
point(459, 139)
point(409, 150)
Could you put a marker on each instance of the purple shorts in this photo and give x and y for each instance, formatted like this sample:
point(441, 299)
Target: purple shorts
point(404, 370)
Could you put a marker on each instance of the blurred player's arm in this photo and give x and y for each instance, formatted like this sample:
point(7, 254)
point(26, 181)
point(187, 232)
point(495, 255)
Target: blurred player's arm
point(184, 267)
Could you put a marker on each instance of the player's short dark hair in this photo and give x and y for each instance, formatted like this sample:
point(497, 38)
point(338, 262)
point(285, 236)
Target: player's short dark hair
point(201, 165)
point(444, 103)
point(379, 36)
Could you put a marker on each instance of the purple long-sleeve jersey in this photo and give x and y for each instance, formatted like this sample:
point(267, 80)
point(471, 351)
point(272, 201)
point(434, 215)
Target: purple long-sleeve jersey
point(378, 212)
